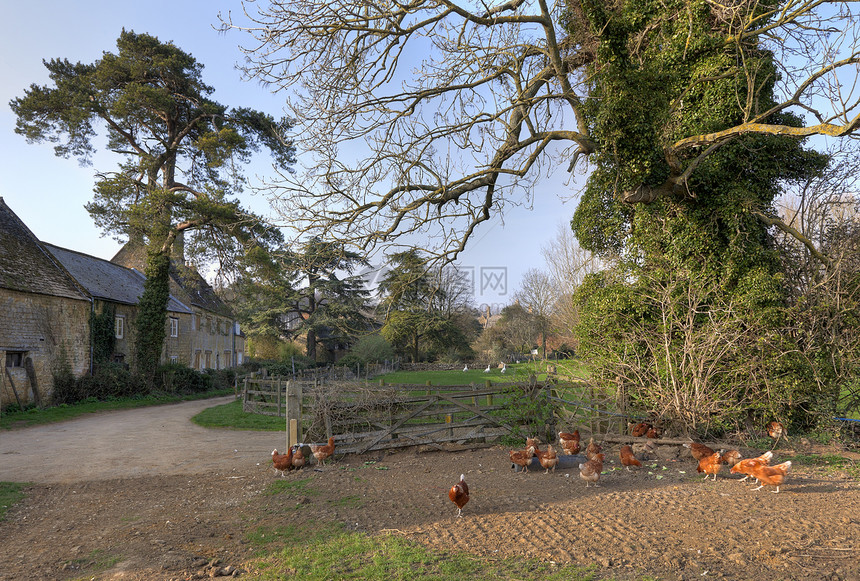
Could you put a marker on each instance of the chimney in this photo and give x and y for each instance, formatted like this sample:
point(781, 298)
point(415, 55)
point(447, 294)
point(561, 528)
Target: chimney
point(178, 250)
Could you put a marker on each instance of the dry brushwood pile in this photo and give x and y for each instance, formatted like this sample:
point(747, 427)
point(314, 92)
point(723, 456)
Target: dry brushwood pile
point(146, 495)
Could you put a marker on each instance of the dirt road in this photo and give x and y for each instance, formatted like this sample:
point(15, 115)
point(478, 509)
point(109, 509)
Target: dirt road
point(148, 441)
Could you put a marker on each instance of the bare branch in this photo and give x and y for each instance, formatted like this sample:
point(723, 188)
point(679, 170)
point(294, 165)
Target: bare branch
point(426, 118)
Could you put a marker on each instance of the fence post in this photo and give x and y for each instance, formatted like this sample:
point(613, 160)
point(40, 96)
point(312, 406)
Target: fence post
point(293, 410)
point(288, 430)
point(278, 388)
point(245, 395)
point(293, 432)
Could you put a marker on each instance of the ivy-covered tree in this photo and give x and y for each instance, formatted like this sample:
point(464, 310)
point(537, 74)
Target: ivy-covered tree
point(312, 291)
point(181, 153)
point(517, 88)
point(689, 318)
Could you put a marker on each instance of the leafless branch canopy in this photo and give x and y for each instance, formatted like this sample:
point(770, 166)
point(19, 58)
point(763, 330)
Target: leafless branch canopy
point(425, 118)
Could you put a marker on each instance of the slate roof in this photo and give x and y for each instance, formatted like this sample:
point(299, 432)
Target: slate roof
point(106, 280)
point(27, 266)
point(187, 282)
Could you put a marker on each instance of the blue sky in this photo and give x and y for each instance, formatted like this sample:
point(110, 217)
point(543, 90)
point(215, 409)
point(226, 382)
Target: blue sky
point(48, 193)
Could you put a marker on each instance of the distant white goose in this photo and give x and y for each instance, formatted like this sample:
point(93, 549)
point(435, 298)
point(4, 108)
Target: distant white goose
point(466, 367)
point(487, 370)
point(504, 367)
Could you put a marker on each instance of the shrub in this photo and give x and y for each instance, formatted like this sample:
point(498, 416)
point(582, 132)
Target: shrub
point(66, 388)
point(529, 412)
point(371, 349)
point(178, 378)
point(108, 381)
point(285, 368)
point(222, 378)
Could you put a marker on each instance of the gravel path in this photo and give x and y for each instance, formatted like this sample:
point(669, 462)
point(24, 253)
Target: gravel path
point(148, 441)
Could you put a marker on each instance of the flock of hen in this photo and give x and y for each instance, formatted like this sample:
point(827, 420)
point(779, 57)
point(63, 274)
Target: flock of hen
point(295, 458)
point(709, 461)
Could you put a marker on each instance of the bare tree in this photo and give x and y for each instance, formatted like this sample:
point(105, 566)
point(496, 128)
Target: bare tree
point(826, 214)
point(537, 295)
point(429, 117)
point(566, 261)
point(453, 291)
point(567, 265)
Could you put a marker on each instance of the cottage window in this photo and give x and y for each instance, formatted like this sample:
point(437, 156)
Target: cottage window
point(119, 327)
point(228, 358)
point(197, 359)
point(174, 359)
point(174, 327)
point(15, 358)
point(208, 360)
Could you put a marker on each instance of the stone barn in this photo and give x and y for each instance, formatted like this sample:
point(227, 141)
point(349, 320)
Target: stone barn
point(44, 316)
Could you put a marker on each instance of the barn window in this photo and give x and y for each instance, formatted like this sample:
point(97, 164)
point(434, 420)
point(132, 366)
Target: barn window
point(174, 327)
point(15, 358)
point(119, 327)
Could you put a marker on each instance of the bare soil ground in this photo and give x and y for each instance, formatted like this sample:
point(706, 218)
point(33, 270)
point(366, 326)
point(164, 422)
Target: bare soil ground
point(139, 495)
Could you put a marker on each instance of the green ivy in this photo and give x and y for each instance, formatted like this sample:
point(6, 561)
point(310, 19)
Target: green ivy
point(103, 333)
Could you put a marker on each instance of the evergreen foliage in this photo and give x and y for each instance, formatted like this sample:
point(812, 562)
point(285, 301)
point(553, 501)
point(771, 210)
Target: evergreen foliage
point(312, 290)
point(690, 319)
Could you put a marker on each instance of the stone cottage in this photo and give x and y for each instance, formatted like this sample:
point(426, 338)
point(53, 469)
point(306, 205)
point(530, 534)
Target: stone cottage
point(48, 295)
point(210, 338)
point(117, 289)
point(44, 315)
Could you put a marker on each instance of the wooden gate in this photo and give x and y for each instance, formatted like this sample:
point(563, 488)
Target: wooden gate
point(364, 418)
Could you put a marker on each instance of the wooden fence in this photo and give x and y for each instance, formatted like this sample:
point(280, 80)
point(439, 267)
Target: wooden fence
point(364, 417)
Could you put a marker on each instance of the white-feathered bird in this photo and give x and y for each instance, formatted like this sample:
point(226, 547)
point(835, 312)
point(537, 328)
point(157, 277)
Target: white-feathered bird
point(487, 370)
point(504, 368)
point(466, 367)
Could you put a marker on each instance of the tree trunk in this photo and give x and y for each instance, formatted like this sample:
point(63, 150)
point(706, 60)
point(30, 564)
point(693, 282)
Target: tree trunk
point(311, 344)
point(152, 315)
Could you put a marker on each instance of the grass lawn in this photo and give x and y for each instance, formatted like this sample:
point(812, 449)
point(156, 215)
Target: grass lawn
point(515, 373)
point(329, 552)
point(230, 415)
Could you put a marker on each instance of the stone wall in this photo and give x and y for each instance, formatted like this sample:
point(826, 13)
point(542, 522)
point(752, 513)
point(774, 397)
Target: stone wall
point(211, 342)
point(36, 333)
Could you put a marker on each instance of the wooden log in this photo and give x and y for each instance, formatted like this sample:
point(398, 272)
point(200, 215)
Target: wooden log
point(621, 439)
